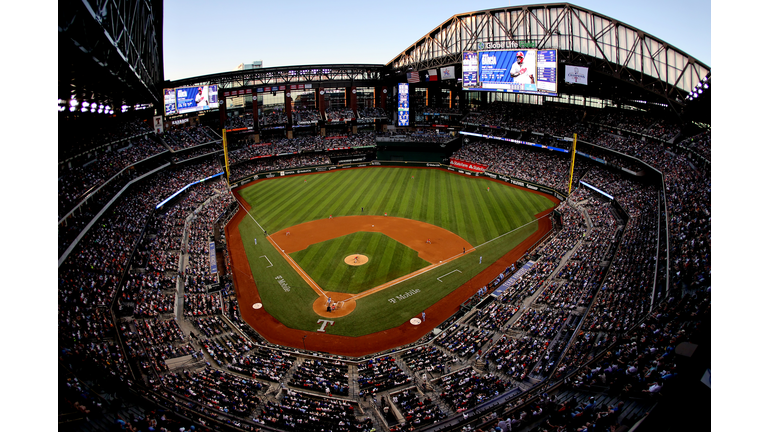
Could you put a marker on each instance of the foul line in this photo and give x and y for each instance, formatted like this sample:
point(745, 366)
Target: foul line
point(320, 292)
point(270, 262)
point(248, 213)
point(312, 284)
point(315, 287)
point(457, 270)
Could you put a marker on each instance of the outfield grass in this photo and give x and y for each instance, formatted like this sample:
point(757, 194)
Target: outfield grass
point(461, 204)
point(388, 260)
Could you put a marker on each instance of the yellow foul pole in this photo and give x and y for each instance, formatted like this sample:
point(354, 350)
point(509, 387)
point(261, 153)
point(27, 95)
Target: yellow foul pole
point(573, 162)
point(226, 153)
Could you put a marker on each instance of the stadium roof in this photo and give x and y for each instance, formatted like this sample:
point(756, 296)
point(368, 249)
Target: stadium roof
point(582, 37)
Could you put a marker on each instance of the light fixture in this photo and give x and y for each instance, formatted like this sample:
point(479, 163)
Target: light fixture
point(72, 109)
point(706, 86)
point(101, 106)
point(73, 102)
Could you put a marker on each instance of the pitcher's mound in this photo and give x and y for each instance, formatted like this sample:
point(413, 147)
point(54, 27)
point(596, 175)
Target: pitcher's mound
point(356, 260)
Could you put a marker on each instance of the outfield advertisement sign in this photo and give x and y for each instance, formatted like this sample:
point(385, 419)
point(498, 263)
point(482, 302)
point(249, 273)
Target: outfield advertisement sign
point(458, 163)
point(212, 257)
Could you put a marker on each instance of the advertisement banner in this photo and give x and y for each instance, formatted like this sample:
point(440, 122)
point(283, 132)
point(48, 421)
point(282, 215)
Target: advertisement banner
point(158, 122)
point(458, 163)
point(576, 74)
point(212, 256)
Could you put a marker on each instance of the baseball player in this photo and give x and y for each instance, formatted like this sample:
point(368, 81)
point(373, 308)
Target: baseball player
point(519, 72)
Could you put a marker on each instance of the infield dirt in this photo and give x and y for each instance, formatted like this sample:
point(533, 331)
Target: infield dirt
point(277, 333)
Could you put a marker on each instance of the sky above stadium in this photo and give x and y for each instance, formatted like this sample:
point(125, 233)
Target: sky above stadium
point(201, 37)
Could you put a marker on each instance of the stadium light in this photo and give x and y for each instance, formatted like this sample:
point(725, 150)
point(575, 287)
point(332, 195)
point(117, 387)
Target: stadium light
point(85, 104)
point(73, 102)
point(72, 109)
point(706, 86)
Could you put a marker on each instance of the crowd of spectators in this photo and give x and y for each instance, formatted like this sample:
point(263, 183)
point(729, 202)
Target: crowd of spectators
point(416, 412)
point(77, 182)
point(538, 309)
point(271, 119)
point(338, 114)
point(99, 135)
point(191, 136)
point(555, 121)
point(371, 113)
point(465, 388)
point(428, 359)
point(239, 121)
point(210, 390)
point(701, 144)
point(263, 363)
point(306, 116)
point(381, 374)
point(462, 340)
point(150, 342)
point(300, 145)
point(302, 412)
point(277, 164)
point(531, 165)
point(319, 375)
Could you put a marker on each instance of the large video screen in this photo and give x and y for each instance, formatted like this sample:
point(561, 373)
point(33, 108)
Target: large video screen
point(519, 71)
point(403, 105)
point(184, 100)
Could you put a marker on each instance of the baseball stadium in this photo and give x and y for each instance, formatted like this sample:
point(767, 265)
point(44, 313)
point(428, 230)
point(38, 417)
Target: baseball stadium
point(506, 227)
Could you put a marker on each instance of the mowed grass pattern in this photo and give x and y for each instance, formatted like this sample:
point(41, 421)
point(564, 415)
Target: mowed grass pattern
point(388, 260)
point(461, 204)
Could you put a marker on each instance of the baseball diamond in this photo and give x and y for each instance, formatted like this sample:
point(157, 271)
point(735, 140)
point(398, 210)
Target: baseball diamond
point(435, 219)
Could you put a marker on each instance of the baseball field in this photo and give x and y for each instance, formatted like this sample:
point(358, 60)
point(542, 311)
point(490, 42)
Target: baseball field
point(383, 244)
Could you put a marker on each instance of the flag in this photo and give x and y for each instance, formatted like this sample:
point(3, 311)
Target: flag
point(432, 73)
point(448, 72)
point(413, 77)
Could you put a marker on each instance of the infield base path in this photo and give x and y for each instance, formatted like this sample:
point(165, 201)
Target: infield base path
point(277, 333)
point(412, 233)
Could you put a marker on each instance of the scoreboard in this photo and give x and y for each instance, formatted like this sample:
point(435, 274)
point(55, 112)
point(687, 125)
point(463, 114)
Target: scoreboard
point(515, 71)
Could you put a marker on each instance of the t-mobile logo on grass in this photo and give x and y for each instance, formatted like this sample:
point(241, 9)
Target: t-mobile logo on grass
point(325, 323)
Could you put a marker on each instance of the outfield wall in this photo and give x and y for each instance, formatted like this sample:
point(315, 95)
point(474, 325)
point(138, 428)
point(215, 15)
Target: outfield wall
point(325, 168)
